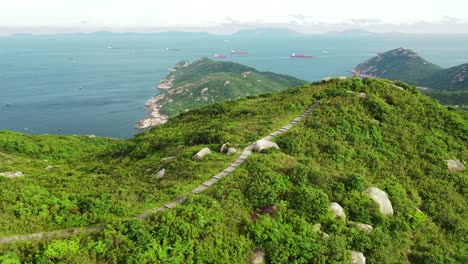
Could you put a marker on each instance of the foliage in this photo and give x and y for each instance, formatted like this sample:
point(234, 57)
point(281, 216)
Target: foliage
point(396, 140)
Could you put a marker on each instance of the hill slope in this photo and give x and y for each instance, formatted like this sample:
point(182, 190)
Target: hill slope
point(453, 79)
point(362, 133)
point(205, 81)
point(398, 64)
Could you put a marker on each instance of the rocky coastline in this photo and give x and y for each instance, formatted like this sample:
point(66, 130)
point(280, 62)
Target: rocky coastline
point(153, 105)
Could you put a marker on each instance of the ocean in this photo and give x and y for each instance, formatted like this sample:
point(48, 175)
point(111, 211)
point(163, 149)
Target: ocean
point(98, 83)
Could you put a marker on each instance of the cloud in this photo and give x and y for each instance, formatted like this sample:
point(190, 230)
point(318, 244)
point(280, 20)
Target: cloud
point(298, 17)
point(451, 20)
point(364, 21)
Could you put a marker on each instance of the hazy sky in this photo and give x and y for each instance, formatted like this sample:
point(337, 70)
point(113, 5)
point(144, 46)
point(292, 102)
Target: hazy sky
point(227, 16)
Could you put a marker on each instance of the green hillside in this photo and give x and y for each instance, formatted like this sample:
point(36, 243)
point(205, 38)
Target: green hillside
point(205, 81)
point(398, 64)
point(453, 79)
point(361, 134)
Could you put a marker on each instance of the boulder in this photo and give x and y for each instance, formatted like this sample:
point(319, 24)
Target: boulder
point(317, 228)
point(337, 211)
point(224, 147)
point(258, 257)
point(363, 95)
point(201, 154)
point(357, 257)
point(168, 158)
point(231, 151)
point(455, 166)
point(261, 145)
point(362, 227)
point(381, 198)
point(12, 174)
point(160, 174)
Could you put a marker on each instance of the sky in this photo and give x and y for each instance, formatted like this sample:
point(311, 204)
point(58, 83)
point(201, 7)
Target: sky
point(223, 17)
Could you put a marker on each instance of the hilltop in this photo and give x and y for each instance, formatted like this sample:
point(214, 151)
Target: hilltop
point(398, 64)
point(448, 86)
point(359, 135)
point(205, 81)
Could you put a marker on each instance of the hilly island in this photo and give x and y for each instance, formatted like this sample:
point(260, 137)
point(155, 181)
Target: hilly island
point(449, 86)
point(338, 171)
point(205, 81)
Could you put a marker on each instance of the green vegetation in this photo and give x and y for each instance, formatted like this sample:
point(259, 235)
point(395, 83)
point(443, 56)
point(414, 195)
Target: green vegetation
point(398, 64)
point(453, 79)
point(206, 81)
point(445, 97)
point(396, 140)
point(448, 86)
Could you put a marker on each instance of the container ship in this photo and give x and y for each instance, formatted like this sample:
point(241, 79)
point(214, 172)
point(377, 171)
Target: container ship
point(219, 56)
point(294, 55)
point(239, 52)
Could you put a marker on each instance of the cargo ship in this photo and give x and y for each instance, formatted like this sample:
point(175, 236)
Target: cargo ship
point(294, 55)
point(239, 52)
point(219, 56)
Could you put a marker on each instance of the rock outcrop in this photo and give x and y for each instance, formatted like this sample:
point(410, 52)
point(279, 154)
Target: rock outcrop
point(381, 198)
point(12, 174)
point(455, 166)
point(160, 174)
point(337, 211)
point(357, 257)
point(224, 147)
point(362, 227)
point(261, 145)
point(201, 154)
point(168, 158)
point(258, 257)
point(231, 151)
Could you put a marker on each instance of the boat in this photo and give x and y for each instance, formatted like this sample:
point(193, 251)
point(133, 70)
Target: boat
point(294, 55)
point(172, 49)
point(239, 52)
point(219, 56)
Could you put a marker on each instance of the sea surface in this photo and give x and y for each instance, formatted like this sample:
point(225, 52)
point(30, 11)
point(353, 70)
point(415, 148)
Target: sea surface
point(98, 84)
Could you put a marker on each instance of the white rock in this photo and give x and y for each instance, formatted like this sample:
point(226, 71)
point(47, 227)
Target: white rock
point(364, 227)
point(337, 211)
point(168, 158)
point(381, 198)
point(49, 167)
point(258, 257)
point(363, 95)
point(12, 174)
point(261, 145)
point(160, 174)
point(231, 151)
point(201, 154)
point(357, 257)
point(224, 147)
point(455, 166)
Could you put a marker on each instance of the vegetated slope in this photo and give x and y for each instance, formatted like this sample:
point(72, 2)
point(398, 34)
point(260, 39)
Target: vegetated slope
point(363, 133)
point(205, 81)
point(398, 64)
point(453, 79)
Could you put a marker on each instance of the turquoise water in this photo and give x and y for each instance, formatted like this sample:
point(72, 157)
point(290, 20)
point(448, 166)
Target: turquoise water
point(98, 84)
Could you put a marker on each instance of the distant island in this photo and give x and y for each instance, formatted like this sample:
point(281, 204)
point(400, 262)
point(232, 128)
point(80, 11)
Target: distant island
point(205, 81)
point(450, 86)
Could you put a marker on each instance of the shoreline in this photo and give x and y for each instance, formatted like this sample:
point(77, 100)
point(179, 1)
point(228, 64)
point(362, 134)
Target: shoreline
point(154, 117)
